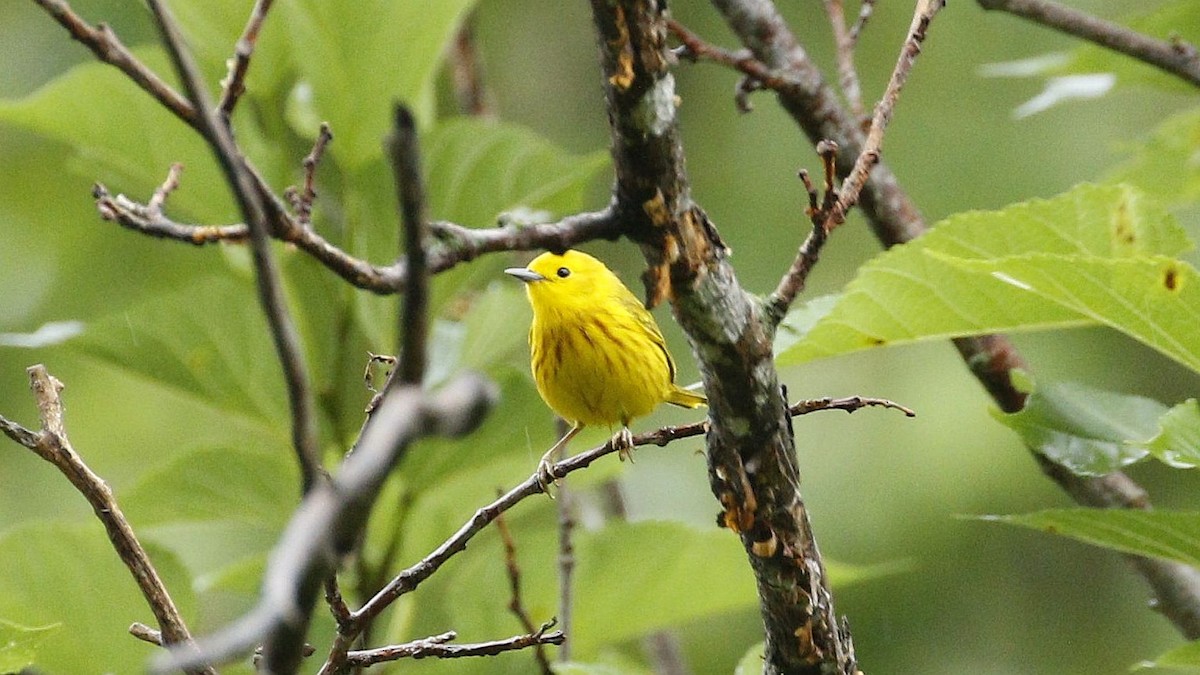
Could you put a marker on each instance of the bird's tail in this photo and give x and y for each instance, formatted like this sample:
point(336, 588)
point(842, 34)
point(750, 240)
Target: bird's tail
point(685, 399)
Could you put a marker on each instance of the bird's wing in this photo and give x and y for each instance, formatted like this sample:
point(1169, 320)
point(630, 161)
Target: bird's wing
point(638, 311)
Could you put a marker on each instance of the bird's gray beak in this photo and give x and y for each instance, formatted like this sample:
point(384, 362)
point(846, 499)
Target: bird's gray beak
point(524, 274)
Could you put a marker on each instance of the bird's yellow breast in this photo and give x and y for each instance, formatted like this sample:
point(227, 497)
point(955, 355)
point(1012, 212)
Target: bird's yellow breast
point(600, 366)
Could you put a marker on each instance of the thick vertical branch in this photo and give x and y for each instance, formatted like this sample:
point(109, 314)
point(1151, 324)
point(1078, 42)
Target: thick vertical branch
point(410, 193)
point(751, 452)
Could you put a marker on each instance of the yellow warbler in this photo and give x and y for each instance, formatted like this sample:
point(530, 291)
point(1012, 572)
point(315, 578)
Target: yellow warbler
point(597, 355)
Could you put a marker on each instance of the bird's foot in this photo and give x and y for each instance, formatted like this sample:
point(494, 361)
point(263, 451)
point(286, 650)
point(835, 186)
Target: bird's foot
point(623, 443)
point(545, 472)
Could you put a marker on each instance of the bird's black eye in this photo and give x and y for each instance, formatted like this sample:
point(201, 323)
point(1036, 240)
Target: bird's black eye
point(563, 273)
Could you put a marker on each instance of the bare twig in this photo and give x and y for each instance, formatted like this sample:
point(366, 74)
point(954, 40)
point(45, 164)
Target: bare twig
point(868, 157)
point(270, 286)
point(864, 15)
point(108, 48)
point(146, 634)
point(337, 604)
point(169, 185)
point(757, 74)
point(51, 444)
point(302, 200)
point(235, 80)
point(1173, 56)
point(436, 647)
point(515, 604)
point(566, 555)
point(844, 46)
point(413, 328)
point(331, 518)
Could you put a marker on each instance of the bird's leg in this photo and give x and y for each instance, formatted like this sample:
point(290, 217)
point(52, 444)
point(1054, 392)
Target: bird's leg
point(622, 442)
point(546, 466)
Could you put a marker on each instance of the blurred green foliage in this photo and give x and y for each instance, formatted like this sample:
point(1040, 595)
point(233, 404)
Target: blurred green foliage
point(173, 395)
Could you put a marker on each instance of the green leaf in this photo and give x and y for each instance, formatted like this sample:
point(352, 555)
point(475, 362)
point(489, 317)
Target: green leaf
point(1084, 429)
point(220, 484)
point(477, 169)
point(19, 644)
point(1178, 441)
point(926, 289)
point(1167, 166)
point(208, 342)
point(1170, 535)
point(238, 501)
point(801, 319)
point(70, 574)
point(1155, 300)
point(613, 577)
point(1180, 18)
point(357, 58)
point(123, 137)
point(1186, 655)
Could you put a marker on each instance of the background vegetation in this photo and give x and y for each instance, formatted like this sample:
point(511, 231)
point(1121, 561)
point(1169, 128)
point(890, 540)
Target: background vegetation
point(174, 398)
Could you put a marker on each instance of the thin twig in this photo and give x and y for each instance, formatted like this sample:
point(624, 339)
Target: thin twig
point(1173, 56)
point(410, 578)
point(515, 604)
point(864, 15)
point(107, 47)
point(268, 280)
point(566, 554)
point(757, 74)
point(793, 281)
point(302, 200)
point(337, 604)
point(844, 47)
point(413, 329)
point(51, 444)
point(235, 80)
point(436, 647)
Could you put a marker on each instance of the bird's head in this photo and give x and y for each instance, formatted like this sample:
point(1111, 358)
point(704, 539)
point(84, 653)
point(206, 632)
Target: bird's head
point(573, 279)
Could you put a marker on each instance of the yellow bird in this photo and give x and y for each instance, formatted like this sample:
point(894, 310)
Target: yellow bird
point(598, 357)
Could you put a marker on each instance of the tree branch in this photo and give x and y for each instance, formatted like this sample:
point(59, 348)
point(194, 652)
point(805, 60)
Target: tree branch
point(448, 244)
point(1175, 56)
point(751, 453)
point(235, 80)
point(436, 647)
point(268, 280)
point(108, 48)
point(868, 157)
point(515, 604)
point(51, 444)
point(844, 48)
point(410, 193)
